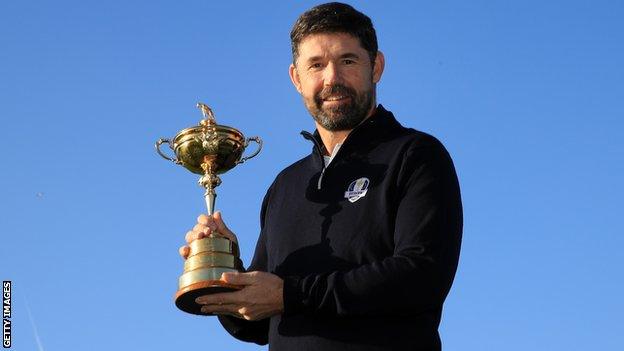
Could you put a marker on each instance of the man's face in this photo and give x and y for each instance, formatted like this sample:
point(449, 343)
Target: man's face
point(336, 79)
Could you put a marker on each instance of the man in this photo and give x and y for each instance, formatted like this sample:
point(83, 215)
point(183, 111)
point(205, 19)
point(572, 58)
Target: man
point(360, 240)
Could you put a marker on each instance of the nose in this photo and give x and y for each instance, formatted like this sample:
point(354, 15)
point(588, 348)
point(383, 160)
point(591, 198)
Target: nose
point(331, 75)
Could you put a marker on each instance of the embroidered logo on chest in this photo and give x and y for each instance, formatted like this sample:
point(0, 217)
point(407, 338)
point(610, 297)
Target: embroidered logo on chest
point(357, 189)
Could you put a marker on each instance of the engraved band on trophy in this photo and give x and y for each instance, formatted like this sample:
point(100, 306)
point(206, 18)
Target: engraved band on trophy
point(208, 149)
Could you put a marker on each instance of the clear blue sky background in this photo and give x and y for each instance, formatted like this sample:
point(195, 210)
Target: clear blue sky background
point(526, 95)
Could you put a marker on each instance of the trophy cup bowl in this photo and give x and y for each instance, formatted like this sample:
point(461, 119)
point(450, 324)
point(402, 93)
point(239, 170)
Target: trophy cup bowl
point(208, 149)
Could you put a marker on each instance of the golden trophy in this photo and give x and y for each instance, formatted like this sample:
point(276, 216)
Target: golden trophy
point(208, 149)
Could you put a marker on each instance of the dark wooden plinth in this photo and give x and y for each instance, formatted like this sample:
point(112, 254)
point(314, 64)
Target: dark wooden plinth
point(185, 297)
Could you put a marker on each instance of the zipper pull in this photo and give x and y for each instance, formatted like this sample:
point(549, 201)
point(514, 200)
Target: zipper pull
point(318, 186)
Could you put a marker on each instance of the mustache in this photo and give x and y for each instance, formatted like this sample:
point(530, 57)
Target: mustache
point(337, 89)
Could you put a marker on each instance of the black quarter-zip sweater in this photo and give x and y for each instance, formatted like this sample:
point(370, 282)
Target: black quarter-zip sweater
point(367, 246)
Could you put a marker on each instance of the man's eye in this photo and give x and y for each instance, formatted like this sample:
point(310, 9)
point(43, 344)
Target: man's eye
point(316, 66)
point(348, 62)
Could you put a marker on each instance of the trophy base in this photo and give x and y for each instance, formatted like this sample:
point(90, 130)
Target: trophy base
point(185, 297)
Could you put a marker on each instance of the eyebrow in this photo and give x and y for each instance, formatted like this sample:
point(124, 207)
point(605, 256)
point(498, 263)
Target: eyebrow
point(348, 55)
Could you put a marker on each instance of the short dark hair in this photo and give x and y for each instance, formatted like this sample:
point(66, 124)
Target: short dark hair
point(334, 17)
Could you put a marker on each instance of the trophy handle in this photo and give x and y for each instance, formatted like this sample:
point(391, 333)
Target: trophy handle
point(258, 141)
point(164, 141)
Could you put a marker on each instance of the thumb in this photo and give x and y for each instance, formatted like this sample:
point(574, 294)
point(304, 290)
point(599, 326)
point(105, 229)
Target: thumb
point(221, 227)
point(238, 278)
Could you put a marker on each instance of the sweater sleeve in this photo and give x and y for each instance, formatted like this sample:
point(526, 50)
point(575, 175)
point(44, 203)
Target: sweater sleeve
point(427, 236)
point(252, 331)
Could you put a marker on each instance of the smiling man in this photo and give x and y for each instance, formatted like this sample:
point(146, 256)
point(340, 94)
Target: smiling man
point(360, 239)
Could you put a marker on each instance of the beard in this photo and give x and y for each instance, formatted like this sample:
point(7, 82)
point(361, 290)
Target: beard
point(344, 116)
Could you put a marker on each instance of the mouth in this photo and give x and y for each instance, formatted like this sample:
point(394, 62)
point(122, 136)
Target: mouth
point(336, 98)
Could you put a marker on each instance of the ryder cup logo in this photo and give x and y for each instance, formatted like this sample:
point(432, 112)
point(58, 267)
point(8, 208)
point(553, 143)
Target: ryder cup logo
point(357, 189)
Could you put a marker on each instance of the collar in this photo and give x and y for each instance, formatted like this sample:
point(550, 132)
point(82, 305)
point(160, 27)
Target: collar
point(370, 131)
point(329, 158)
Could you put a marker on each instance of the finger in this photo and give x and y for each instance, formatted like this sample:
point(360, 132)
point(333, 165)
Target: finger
point(206, 221)
point(238, 278)
point(202, 219)
point(218, 219)
point(210, 223)
point(243, 312)
point(222, 232)
point(206, 225)
point(193, 235)
point(188, 236)
point(221, 299)
point(229, 310)
point(184, 251)
point(200, 228)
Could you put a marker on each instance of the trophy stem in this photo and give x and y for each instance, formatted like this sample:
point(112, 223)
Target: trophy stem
point(210, 197)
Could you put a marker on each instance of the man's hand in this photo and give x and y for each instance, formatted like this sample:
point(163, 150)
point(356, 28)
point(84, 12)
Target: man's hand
point(261, 296)
point(206, 226)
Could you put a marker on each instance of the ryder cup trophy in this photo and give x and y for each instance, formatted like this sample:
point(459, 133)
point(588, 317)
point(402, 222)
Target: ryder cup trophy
point(208, 149)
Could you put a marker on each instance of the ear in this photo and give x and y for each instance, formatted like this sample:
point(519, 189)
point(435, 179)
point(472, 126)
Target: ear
point(294, 77)
point(378, 68)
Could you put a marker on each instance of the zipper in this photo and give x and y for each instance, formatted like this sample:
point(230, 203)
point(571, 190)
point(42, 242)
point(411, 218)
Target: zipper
point(318, 148)
point(318, 186)
point(319, 153)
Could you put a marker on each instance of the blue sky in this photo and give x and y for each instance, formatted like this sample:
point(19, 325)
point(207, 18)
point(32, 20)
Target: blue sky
point(527, 97)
